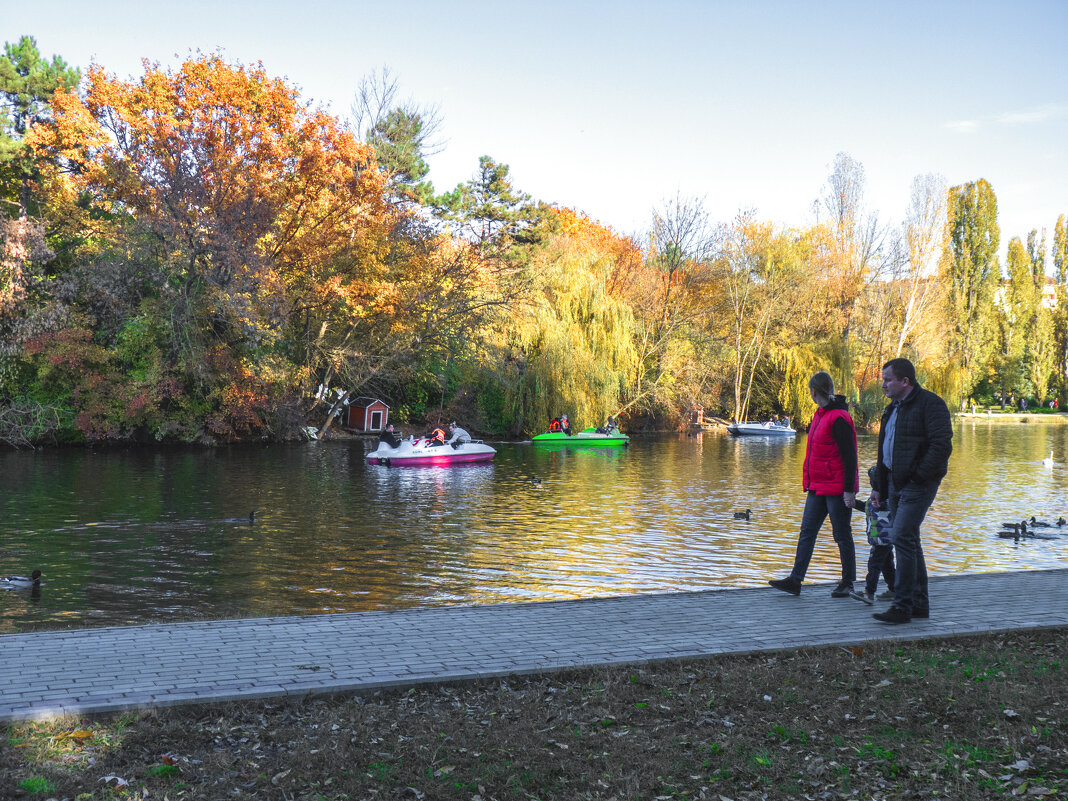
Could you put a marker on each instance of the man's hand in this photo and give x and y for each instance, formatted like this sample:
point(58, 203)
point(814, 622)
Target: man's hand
point(875, 500)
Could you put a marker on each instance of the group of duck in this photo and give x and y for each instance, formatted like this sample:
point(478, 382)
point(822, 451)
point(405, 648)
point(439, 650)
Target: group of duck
point(1030, 529)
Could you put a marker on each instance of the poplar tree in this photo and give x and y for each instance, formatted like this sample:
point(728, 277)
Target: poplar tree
point(969, 273)
point(1015, 304)
point(1040, 355)
point(1060, 314)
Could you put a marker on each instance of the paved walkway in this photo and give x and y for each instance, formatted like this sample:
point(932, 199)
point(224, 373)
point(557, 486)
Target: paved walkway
point(111, 669)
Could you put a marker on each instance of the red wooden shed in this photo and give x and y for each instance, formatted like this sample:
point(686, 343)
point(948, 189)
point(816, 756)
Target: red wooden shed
point(368, 414)
point(698, 415)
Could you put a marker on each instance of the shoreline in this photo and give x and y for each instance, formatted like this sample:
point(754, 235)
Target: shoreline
point(1013, 417)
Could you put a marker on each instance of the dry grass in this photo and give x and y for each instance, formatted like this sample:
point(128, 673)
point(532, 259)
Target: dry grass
point(965, 718)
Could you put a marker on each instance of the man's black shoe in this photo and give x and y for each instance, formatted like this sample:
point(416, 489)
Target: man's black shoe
point(842, 590)
point(924, 613)
point(895, 614)
point(790, 585)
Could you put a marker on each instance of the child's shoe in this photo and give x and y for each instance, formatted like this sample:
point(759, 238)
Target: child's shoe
point(863, 596)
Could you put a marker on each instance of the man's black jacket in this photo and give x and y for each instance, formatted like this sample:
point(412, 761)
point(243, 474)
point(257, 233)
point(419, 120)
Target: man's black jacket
point(923, 441)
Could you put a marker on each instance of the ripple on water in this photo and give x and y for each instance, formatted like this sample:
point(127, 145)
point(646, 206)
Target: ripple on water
point(142, 536)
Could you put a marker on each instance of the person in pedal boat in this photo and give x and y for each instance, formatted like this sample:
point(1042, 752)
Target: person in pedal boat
point(457, 435)
point(390, 437)
point(560, 426)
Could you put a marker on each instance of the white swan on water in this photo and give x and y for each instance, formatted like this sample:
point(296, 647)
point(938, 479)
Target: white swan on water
point(1048, 461)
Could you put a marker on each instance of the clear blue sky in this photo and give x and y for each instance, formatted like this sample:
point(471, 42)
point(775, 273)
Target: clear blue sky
point(615, 107)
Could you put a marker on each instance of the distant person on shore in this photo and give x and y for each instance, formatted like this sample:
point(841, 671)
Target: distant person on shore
point(830, 477)
point(390, 437)
point(915, 441)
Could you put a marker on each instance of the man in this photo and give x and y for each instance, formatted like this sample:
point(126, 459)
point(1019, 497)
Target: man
point(915, 441)
point(457, 436)
point(390, 437)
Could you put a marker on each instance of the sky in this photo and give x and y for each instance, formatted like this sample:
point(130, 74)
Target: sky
point(617, 108)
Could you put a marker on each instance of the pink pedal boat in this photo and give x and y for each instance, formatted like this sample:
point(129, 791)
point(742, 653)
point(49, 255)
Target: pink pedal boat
point(420, 453)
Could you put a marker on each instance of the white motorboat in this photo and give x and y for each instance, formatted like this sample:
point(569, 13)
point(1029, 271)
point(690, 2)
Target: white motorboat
point(420, 453)
point(768, 429)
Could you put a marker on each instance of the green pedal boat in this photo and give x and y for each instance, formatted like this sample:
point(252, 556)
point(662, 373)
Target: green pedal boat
point(591, 436)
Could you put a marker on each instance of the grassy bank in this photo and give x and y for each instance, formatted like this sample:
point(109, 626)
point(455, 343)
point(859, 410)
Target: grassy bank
point(1014, 416)
point(977, 717)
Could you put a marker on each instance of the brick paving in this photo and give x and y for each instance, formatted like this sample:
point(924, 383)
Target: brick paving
point(112, 669)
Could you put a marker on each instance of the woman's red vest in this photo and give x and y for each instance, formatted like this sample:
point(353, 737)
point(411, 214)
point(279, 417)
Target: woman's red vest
point(823, 472)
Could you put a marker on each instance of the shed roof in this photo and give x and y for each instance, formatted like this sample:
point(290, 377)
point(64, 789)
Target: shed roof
point(363, 400)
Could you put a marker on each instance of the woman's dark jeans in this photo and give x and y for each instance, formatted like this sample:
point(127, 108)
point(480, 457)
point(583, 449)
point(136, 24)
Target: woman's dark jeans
point(817, 509)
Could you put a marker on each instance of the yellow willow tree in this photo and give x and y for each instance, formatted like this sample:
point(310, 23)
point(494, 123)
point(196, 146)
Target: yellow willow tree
point(807, 333)
point(568, 346)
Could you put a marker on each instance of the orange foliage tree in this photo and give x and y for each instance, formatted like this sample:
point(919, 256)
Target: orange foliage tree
point(252, 213)
point(246, 203)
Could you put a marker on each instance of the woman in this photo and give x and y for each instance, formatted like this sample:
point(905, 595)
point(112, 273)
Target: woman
point(831, 479)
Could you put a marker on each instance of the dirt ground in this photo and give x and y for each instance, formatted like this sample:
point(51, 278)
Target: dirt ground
point(960, 718)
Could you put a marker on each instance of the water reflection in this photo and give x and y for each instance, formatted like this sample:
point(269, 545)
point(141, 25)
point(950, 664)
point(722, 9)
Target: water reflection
point(139, 536)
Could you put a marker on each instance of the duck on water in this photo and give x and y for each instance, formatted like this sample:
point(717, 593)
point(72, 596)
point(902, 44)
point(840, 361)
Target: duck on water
point(16, 582)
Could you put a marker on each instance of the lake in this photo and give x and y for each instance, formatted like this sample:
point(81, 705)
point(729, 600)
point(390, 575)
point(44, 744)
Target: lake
point(137, 536)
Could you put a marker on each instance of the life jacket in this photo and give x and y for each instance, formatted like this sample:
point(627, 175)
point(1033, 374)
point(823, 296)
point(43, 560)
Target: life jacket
point(555, 427)
point(823, 472)
point(437, 436)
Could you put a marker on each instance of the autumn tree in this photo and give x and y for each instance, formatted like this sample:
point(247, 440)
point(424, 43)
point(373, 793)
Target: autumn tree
point(27, 85)
point(568, 344)
point(488, 210)
point(667, 294)
point(859, 239)
point(1059, 316)
point(248, 208)
point(1040, 352)
point(402, 132)
point(923, 227)
point(969, 273)
point(1016, 303)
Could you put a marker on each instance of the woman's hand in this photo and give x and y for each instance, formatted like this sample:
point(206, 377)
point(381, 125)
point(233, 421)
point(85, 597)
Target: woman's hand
point(849, 498)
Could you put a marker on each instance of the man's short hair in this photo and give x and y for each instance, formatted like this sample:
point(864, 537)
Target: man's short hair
point(902, 368)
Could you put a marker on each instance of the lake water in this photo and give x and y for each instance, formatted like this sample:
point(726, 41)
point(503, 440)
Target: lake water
point(138, 536)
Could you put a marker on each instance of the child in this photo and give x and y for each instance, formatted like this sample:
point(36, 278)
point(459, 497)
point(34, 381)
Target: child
point(881, 556)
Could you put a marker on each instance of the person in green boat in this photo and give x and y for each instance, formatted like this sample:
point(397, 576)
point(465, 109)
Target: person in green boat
point(611, 427)
point(560, 426)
